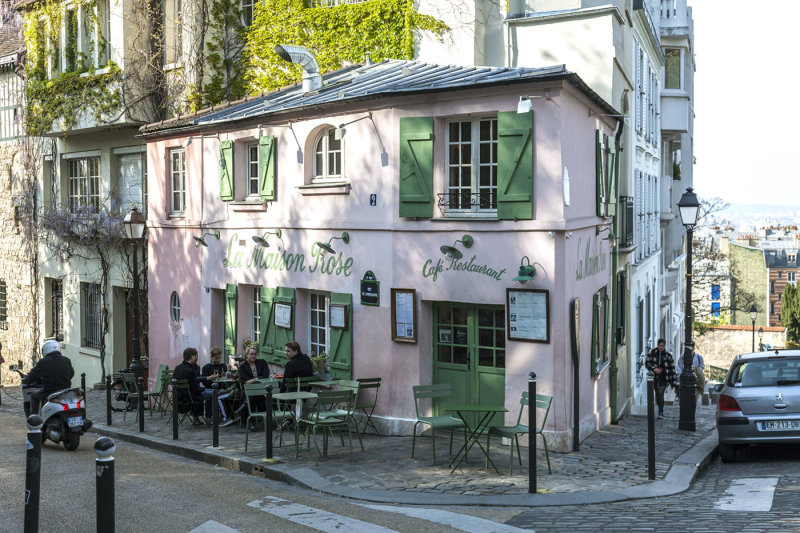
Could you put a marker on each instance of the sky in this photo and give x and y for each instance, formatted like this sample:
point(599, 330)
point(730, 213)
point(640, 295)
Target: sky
point(746, 109)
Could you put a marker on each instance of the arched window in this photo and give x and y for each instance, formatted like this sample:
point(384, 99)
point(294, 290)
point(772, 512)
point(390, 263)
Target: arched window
point(328, 157)
point(175, 308)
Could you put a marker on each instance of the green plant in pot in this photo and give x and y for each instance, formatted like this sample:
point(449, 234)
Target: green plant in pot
point(319, 363)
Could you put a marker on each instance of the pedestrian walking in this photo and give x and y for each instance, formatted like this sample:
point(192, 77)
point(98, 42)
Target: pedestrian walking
point(698, 367)
point(660, 362)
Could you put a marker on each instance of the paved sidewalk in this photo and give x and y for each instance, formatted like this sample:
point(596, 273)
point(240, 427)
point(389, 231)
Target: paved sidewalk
point(610, 466)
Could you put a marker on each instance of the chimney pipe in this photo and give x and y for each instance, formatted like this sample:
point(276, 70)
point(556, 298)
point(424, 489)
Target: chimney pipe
point(299, 55)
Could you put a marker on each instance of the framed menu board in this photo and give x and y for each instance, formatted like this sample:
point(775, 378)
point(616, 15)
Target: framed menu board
point(404, 315)
point(283, 315)
point(528, 315)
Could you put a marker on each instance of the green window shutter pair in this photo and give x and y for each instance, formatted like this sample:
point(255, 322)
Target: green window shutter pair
point(600, 172)
point(274, 338)
point(231, 299)
point(613, 172)
point(514, 166)
point(340, 351)
point(266, 169)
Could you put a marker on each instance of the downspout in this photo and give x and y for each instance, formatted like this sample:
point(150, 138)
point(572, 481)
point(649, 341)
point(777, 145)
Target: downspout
point(613, 371)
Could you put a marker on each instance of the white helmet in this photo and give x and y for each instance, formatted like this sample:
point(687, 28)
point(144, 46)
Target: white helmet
point(50, 347)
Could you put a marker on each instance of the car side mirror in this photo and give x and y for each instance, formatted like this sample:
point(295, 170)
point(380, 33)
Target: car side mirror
point(718, 387)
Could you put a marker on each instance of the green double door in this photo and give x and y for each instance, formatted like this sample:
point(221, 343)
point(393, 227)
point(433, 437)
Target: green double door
point(469, 347)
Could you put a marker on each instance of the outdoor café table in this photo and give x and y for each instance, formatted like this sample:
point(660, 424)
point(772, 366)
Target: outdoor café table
point(297, 396)
point(483, 413)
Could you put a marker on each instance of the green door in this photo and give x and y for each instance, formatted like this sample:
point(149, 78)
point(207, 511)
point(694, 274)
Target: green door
point(469, 346)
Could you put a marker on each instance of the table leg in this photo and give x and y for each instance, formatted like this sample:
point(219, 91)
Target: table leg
point(473, 437)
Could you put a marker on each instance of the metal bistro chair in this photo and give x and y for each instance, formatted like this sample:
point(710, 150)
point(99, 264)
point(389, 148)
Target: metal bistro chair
point(155, 398)
point(320, 419)
point(438, 391)
point(513, 432)
point(252, 391)
point(183, 384)
point(129, 380)
point(367, 407)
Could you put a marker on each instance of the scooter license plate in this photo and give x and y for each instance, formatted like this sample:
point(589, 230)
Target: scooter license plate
point(75, 421)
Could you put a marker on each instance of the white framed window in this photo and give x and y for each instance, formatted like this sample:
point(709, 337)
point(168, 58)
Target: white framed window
point(252, 169)
point(791, 258)
point(175, 308)
point(84, 182)
point(247, 7)
point(131, 180)
point(318, 331)
point(471, 166)
point(91, 304)
point(177, 181)
point(255, 316)
point(328, 157)
point(791, 277)
point(104, 38)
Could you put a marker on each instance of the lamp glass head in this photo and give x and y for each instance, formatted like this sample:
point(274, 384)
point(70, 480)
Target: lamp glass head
point(753, 312)
point(689, 208)
point(200, 241)
point(524, 105)
point(261, 241)
point(135, 223)
point(325, 247)
point(451, 252)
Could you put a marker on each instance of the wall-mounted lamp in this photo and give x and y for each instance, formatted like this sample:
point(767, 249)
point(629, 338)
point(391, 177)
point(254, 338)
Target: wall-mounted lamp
point(340, 132)
point(524, 105)
point(289, 125)
point(261, 240)
point(526, 271)
point(201, 241)
point(617, 115)
point(612, 238)
point(451, 252)
point(327, 248)
point(189, 140)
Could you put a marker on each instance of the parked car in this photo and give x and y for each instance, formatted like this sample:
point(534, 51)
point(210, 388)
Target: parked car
point(759, 401)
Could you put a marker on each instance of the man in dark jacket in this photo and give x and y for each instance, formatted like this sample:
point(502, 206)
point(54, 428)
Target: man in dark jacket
point(53, 371)
point(659, 361)
point(190, 371)
point(299, 365)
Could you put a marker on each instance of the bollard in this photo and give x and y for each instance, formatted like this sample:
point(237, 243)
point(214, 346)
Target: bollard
point(531, 433)
point(33, 463)
point(83, 387)
point(108, 399)
point(174, 409)
point(269, 422)
point(104, 448)
point(140, 403)
point(651, 428)
point(214, 415)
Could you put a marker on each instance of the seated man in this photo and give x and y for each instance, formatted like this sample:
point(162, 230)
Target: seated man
point(299, 365)
point(215, 368)
point(190, 371)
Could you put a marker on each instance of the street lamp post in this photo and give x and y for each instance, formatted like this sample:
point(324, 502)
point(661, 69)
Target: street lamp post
point(135, 224)
point(689, 209)
point(753, 315)
point(760, 339)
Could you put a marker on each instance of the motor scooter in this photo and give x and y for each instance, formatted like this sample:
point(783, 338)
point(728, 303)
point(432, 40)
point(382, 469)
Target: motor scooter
point(63, 413)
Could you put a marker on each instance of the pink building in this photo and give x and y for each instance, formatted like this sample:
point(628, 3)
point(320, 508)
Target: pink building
point(432, 188)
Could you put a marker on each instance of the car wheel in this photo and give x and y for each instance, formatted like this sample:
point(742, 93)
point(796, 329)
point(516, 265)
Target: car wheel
point(727, 452)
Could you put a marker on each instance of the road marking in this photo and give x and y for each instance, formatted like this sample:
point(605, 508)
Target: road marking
point(749, 494)
point(470, 524)
point(315, 518)
point(213, 527)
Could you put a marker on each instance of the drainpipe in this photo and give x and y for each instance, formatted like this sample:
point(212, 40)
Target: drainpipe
point(299, 55)
point(613, 371)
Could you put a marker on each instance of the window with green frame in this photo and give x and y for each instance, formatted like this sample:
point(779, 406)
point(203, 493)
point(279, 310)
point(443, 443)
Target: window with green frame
point(600, 324)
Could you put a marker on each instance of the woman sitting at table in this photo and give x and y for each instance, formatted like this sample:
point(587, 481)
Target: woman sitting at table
point(215, 368)
point(250, 370)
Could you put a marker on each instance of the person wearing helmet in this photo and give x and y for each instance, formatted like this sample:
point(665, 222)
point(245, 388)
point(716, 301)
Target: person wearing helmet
point(53, 371)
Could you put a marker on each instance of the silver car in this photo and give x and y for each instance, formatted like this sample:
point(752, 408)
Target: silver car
point(759, 402)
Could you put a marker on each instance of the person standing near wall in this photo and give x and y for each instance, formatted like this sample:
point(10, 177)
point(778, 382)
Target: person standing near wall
point(660, 362)
point(698, 367)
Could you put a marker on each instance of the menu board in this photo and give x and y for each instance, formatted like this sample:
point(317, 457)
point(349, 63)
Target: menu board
point(404, 315)
point(283, 315)
point(528, 315)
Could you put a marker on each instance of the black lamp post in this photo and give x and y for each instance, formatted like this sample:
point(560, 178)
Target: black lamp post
point(753, 315)
point(689, 209)
point(760, 339)
point(135, 224)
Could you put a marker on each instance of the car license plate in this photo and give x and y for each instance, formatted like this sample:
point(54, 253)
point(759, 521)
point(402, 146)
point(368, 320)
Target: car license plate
point(779, 425)
point(75, 421)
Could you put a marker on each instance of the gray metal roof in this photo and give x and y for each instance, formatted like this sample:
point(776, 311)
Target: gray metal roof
point(390, 77)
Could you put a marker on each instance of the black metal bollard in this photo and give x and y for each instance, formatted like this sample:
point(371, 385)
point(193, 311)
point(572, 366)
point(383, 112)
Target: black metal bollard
point(531, 433)
point(140, 403)
point(83, 387)
point(108, 399)
point(33, 472)
point(174, 409)
point(104, 448)
point(269, 422)
point(651, 429)
point(214, 415)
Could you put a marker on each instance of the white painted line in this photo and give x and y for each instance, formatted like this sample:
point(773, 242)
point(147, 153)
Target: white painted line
point(748, 494)
point(315, 518)
point(470, 524)
point(213, 527)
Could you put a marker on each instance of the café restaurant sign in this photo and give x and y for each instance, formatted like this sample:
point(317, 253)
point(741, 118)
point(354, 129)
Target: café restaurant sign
point(590, 260)
point(260, 258)
point(431, 270)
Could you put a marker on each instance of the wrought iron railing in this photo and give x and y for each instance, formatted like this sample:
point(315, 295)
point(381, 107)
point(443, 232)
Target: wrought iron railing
point(467, 201)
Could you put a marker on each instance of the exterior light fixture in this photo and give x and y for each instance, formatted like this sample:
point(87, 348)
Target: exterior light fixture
point(760, 339)
point(451, 252)
point(526, 271)
point(327, 248)
point(689, 209)
point(201, 241)
point(191, 139)
point(753, 315)
point(134, 223)
point(525, 105)
point(261, 240)
point(338, 134)
point(611, 238)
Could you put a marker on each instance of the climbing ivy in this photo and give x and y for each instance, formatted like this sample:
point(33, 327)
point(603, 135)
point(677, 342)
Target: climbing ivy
point(337, 36)
point(225, 43)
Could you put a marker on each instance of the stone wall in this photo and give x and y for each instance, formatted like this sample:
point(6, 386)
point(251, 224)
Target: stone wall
point(720, 344)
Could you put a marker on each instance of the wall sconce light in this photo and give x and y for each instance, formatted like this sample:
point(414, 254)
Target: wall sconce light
point(612, 238)
point(201, 241)
point(451, 252)
point(526, 271)
point(288, 125)
point(525, 105)
point(327, 248)
point(189, 140)
point(340, 132)
point(261, 240)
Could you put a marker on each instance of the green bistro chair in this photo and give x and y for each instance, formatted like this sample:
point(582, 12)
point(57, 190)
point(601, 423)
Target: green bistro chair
point(129, 380)
point(354, 387)
point(253, 391)
point(367, 406)
point(155, 398)
point(183, 384)
point(438, 391)
point(300, 384)
point(512, 432)
point(320, 418)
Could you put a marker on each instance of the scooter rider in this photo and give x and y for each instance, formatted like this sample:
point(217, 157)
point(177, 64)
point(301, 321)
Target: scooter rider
point(53, 371)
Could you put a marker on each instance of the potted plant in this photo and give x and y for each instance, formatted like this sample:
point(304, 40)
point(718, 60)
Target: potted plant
point(320, 364)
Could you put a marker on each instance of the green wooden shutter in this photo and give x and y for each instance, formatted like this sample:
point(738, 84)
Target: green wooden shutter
point(267, 341)
point(611, 180)
point(340, 351)
point(595, 333)
point(600, 159)
point(284, 295)
point(266, 167)
point(230, 319)
point(226, 189)
point(606, 327)
point(416, 167)
point(514, 165)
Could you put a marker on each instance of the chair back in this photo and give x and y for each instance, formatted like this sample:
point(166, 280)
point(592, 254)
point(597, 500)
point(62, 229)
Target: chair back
point(367, 384)
point(258, 390)
point(349, 385)
point(543, 402)
point(129, 379)
point(160, 377)
point(301, 383)
point(436, 391)
point(338, 401)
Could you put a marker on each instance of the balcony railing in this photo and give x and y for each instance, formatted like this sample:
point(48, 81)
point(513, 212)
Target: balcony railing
point(674, 13)
point(467, 201)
